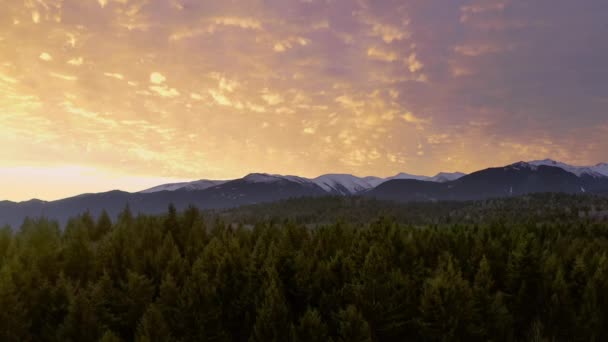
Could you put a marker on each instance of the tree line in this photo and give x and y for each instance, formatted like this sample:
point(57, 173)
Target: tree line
point(190, 276)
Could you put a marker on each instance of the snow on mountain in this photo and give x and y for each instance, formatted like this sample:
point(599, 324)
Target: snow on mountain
point(189, 186)
point(202, 184)
point(261, 178)
point(297, 179)
point(268, 178)
point(522, 165)
point(443, 177)
point(599, 170)
point(374, 181)
point(403, 175)
point(344, 184)
point(165, 187)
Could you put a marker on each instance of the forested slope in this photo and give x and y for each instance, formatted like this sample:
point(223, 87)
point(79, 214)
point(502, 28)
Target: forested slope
point(477, 272)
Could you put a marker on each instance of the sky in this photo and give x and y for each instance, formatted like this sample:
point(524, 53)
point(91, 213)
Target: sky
point(126, 94)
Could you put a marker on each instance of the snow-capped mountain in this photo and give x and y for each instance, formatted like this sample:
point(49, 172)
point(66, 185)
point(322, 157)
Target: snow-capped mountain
point(599, 170)
point(166, 187)
point(189, 186)
point(339, 184)
point(511, 180)
point(268, 178)
point(344, 184)
point(404, 175)
point(443, 177)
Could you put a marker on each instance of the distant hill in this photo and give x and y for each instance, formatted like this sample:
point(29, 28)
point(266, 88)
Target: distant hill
point(512, 180)
point(508, 181)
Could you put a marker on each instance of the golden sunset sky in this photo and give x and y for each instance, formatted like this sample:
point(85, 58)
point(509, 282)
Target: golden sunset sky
point(98, 95)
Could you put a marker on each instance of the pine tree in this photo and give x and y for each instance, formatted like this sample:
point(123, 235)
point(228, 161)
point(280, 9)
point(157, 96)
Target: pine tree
point(153, 327)
point(491, 317)
point(138, 293)
point(560, 313)
point(352, 327)
point(446, 310)
point(6, 240)
point(81, 322)
point(109, 336)
point(200, 306)
point(311, 328)
point(13, 314)
point(103, 226)
point(171, 223)
point(272, 322)
point(77, 253)
point(125, 218)
point(524, 283)
point(169, 305)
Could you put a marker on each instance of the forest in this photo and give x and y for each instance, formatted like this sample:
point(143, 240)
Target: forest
point(531, 268)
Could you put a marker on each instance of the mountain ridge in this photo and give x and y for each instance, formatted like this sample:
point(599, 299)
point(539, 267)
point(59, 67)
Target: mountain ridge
point(334, 183)
point(511, 180)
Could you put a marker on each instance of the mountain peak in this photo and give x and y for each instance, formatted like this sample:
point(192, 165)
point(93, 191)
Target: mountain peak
point(403, 175)
point(261, 178)
point(443, 177)
point(522, 165)
point(599, 170)
point(189, 186)
point(550, 161)
point(344, 184)
point(268, 178)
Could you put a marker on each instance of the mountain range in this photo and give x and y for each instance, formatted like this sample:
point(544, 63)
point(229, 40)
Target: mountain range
point(511, 180)
point(336, 184)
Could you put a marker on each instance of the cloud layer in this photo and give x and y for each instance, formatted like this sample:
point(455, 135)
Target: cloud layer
point(191, 89)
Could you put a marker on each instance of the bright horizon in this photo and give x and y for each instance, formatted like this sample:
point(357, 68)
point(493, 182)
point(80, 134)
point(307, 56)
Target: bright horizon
point(97, 95)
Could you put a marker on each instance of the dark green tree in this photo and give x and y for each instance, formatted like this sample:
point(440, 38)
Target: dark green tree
point(352, 327)
point(446, 309)
point(311, 328)
point(153, 327)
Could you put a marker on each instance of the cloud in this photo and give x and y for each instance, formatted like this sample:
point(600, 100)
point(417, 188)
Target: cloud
point(272, 99)
point(157, 78)
point(114, 75)
point(63, 76)
point(7, 79)
point(309, 130)
point(227, 85)
point(195, 96)
point(210, 90)
point(468, 11)
point(411, 118)
point(474, 50)
point(46, 57)
point(165, 91)
point(76, 61)
point(241, 22)
point(389, 33)
point(36, 17)
point(381, 55)
point(220, 98)
point(348, 102)
point(413, 63)
point(287, 44)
